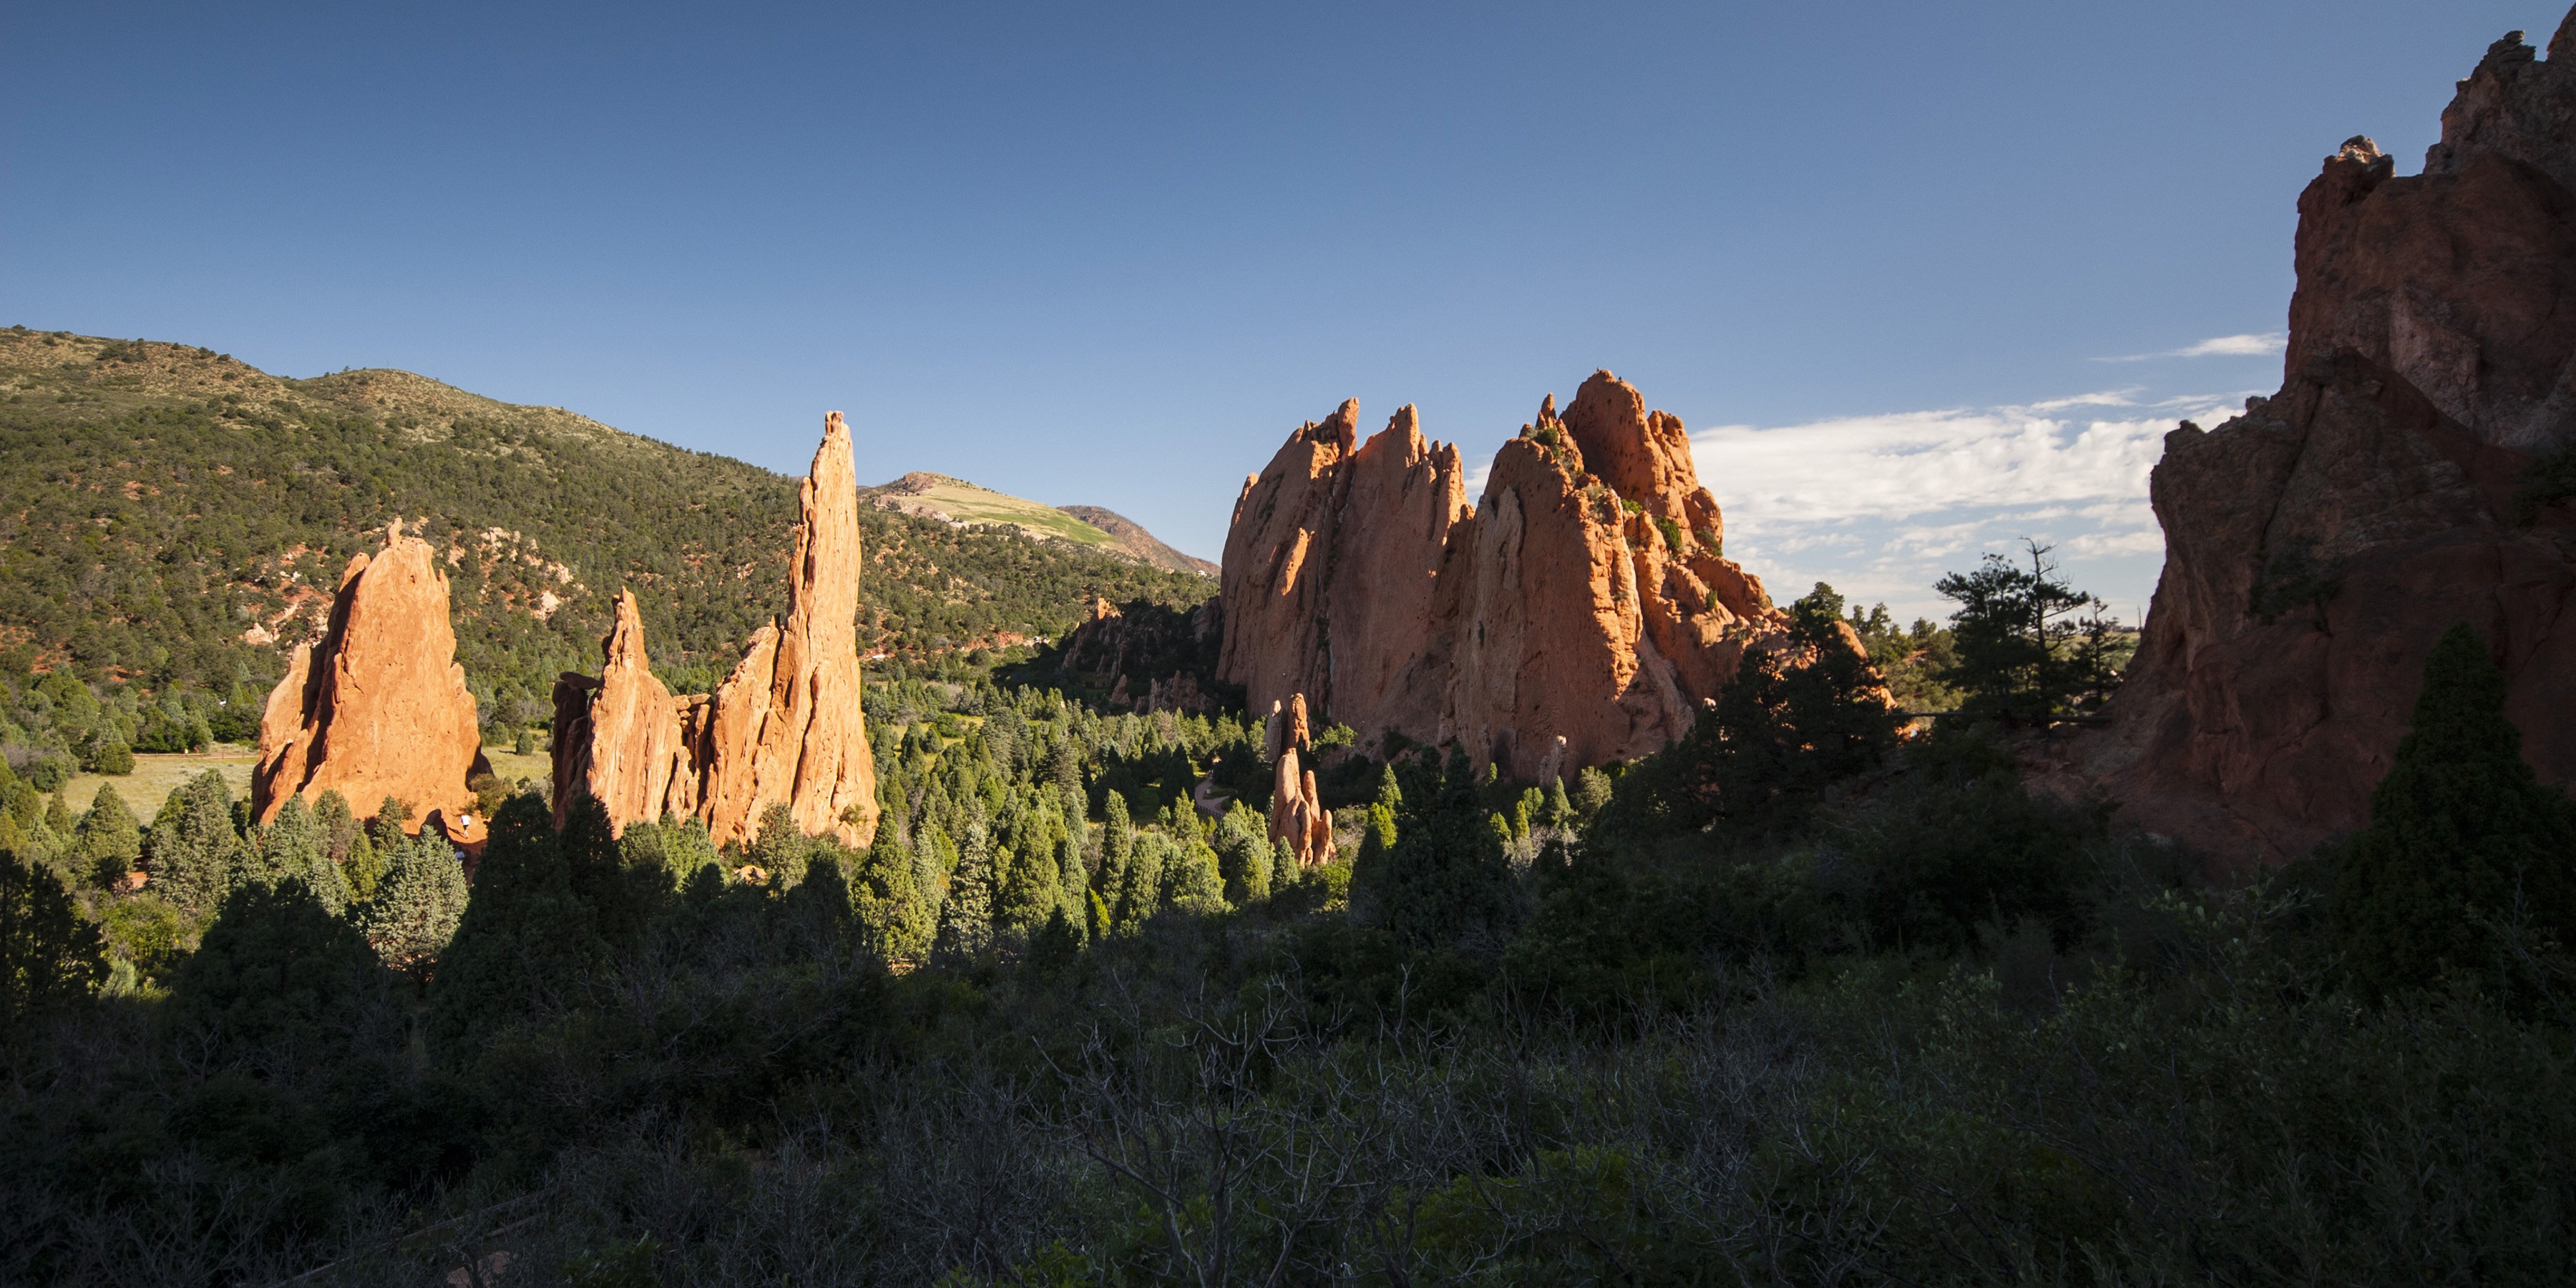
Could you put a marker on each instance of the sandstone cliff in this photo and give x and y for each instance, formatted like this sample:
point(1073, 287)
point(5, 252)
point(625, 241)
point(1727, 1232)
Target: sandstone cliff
point(2318, 544)
point(783, 728)
point(378, 707)
point(1578, 613)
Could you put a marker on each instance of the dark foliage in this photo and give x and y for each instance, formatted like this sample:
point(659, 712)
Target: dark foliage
point(2468, 867)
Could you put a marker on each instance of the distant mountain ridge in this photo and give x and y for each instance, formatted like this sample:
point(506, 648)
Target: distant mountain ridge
point(947, 499)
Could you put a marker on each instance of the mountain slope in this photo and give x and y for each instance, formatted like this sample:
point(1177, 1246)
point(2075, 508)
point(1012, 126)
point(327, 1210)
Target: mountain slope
point(954, 500)
point(1133, 538)
point(177, 517)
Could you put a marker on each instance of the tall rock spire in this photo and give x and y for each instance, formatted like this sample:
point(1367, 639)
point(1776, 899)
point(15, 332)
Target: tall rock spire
point(784, 728)
point(378, 707)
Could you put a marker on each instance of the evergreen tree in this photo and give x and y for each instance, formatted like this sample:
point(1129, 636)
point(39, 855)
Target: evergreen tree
point(1244, 855)
point(525, 936)
point(278, 976)
point(2463, 841)
point(1117, 855)
point(339, 827)
point(622, 895)
point(1447, 880)
point(1193, 882)
point(780, 846)
point(817, 908)
point(966, 916)
point(2030, 647)
point(192, 849)
point(365, 867)
point(894, 913)
point(49, 953)
point(108, 838)
point(295, 845)
point(417, 905)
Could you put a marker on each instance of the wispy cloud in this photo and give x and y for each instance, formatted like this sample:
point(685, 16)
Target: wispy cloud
point(2263, 345)
point(1882, 505)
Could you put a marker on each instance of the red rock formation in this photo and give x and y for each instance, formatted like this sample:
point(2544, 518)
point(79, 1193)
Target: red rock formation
point(379, 706)
point(1149, 657)
point(1576, 614)
point(785, 727)
point(1297, 813)
point(2319, 543)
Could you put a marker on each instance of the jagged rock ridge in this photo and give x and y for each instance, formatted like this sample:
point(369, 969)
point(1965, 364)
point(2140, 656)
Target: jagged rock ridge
point(378, 707)
point(1579, 612)
point(2318, 544)
point(784, 728)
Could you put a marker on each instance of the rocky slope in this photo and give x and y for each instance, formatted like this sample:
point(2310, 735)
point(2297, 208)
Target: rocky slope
point(784, 728)
point(943, 499)
point(1579, 612)
point(2318, 544)
point(1135, 540)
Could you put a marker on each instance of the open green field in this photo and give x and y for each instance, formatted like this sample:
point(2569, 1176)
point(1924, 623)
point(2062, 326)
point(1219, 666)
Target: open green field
point(156, 776)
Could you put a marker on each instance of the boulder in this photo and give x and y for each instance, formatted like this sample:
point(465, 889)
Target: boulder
point(1575, 614)
point(2319, 543)
point(378, 707)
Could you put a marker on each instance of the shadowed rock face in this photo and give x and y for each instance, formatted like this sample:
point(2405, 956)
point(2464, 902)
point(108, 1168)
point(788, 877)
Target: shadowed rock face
point(2319, 544)
point(379, 706)
point(784, 727)
point(1549, 626)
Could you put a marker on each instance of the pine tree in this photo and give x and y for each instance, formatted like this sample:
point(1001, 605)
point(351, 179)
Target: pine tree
point(277, 974)
point(109, 838)
point(1447, 880)
point(893, 912)
point(49, 953)
point(1117, 855)
point(525, 936)
point(966, 917)
point(294, 845)
point(780, 847)
point(417, 905)
point(623, 893)
point(2463, 841)
point(1193, 882)
point(192, 849)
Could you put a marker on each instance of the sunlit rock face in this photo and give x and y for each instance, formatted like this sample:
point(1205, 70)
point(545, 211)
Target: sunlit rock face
point(1579, 612)
point(378, 706)
point(2317, 545)
point(784, 728)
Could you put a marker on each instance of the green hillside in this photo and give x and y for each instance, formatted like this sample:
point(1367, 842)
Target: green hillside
point(176, 519)
point(931, 495)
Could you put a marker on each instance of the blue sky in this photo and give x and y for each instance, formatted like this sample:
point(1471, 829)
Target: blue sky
point(1112, 254)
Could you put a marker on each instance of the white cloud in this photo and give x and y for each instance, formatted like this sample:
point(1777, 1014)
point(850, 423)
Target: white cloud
point(2263, 345)
point(1881, 506)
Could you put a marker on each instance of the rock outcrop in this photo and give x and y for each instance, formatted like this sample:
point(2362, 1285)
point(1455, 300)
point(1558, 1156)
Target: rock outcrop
point(1297, 813)
point(784, 727)
point(2318, 544)
point(1580, 612)
point(378, 707)
point(1145, 656)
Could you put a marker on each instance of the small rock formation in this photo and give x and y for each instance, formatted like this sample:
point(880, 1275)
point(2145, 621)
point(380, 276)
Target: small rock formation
point(1579, 613)
point(1297, 813)
point(2318, 544)
point(785, 727)
point(379, 706)
point(1149, 657)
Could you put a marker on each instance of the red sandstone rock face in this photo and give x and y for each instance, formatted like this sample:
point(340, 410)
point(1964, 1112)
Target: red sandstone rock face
point(379, 706)
point(2318, 544)
point(784, 727)
point(1547, 627)
point(1297, 813)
